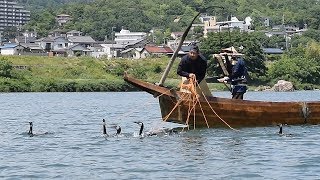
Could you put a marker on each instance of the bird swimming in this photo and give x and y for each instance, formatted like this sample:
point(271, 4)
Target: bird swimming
point(30, 129)
point(31, 134)
point(118, 128)
point(141, 127)
point(281, 133)
point(104, 129)
point(280, 129)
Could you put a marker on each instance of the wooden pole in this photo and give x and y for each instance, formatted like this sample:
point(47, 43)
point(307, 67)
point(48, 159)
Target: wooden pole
point(174, 56)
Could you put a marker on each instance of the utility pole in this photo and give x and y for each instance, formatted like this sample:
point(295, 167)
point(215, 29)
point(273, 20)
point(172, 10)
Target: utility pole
point(112, 41)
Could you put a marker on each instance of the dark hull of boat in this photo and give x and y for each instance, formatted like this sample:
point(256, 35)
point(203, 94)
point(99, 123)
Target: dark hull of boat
point(217, 112)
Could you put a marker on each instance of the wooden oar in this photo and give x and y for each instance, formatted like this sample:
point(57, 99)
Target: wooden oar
point(224, 69)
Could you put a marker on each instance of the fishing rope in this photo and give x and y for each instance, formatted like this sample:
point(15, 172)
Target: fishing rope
point(203, 113)
point(191, 87)
point(193, 96)
point(215, 111)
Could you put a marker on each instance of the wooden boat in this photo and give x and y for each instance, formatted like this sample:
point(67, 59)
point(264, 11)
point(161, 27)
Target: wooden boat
point(221, 112)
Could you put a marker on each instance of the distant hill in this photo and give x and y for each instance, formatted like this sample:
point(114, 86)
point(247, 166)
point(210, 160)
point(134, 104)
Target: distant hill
point(42, 4)
point(97, 17)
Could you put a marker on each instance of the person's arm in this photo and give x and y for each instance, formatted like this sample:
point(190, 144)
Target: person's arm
point(181, 68)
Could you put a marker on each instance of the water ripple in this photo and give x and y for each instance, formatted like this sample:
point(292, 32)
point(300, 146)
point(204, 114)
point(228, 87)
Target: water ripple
point(74, 147)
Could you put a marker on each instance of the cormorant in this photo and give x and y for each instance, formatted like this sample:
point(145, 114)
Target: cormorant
point(104, 127)
point(141, 127)
point(280, 129)
point(118, 128)
point(30, 129)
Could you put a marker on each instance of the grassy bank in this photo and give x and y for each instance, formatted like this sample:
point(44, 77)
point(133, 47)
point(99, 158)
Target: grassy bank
point(82, 74)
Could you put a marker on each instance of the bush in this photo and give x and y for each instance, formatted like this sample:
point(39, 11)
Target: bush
point(5, 68)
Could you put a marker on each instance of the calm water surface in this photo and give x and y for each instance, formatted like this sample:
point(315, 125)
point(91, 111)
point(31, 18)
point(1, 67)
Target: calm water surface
point(73, 147)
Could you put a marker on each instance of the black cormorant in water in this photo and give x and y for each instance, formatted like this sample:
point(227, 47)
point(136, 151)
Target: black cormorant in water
point(280, 129)
point(141, 127)
point(118, 128)
point(30, 129)
point(281, 133)
point(104, 127)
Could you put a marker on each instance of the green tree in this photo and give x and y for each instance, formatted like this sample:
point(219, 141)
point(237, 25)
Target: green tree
point(5, 68)
point(244, 42)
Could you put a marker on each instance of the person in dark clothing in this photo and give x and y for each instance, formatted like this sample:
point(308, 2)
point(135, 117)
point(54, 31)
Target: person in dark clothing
point(239, 71)
point(237, 76)
point(194, 65)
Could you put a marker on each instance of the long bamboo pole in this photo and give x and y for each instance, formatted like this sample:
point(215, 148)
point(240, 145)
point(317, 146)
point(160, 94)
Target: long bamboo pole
point(174, 56)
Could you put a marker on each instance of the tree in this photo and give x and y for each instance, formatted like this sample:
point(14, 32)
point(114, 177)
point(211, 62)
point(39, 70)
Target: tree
point(5, 68)
point(251, 48)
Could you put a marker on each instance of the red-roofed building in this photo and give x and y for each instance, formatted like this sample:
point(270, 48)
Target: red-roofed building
point(153, 50)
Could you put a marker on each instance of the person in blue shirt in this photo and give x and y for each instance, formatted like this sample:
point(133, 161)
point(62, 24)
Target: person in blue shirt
point(194, 65)
point(237, 76)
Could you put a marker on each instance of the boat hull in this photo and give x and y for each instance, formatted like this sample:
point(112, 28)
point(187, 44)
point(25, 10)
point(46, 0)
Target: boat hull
point(223, 112)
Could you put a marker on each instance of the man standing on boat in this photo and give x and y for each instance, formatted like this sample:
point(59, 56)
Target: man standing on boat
point(237, 76)
point(194, 66)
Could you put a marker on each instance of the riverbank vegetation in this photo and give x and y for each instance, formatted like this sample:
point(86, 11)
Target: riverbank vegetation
point(44, 74)
point(85, 74)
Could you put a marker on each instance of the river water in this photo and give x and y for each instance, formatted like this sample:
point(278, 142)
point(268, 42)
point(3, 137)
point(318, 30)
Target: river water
point(68, 141)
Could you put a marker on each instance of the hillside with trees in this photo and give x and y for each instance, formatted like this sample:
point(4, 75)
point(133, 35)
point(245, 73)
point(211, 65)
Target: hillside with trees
point(299, 64)
point(96, 18)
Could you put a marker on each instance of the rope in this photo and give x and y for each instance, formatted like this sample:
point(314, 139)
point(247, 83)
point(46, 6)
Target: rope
point(215, 111)
point(191, 87)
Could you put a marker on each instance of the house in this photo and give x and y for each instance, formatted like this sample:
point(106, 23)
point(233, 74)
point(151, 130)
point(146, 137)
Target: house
point(11, 49)
point(24, 39)
point(74, 33)
point(78, 50)
point(134, 53)
point(30, 34)
point(284, 31)
point(62, 19)
point(84, 41)
point(176, 35)
point(57, 33)
point(53, 43)
point(126, 37)
point(173, 44)
point(115, 50)
point(153, 50)
point(212, 25)
point(32, 49)
point(97, 51)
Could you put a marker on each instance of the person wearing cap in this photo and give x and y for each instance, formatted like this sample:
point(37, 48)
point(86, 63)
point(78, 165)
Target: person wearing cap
point(194, 65)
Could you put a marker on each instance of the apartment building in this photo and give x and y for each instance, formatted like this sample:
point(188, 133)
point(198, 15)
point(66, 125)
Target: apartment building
point(12, 15)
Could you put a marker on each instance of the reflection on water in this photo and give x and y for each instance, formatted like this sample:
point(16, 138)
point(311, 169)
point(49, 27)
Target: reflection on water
point(75, 148)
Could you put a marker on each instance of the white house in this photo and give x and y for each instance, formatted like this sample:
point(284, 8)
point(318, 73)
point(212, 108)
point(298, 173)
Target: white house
point(85, 41)
point(53, 43)
point(11, 49)
point(126, 37)
point(74, 33)
point(212, 25)
point(62, 19)
point(134, 53)
point(78, 50)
